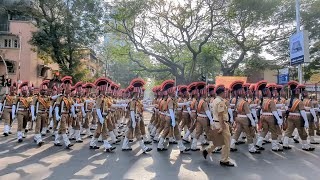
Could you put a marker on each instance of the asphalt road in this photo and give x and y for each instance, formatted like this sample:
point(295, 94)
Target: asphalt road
point(27, 161)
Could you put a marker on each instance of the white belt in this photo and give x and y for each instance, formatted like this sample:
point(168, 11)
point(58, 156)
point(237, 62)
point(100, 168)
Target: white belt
point(193, 111)
point(21, 109)
point(242, 116)
point(8, 106)
point(294, 114)
point(179, 109)
point(161, 113)
point(185, 111)
point(308, 112)
point(268, 114)
point(104, 114)
point(166, 114)
point(202, 115)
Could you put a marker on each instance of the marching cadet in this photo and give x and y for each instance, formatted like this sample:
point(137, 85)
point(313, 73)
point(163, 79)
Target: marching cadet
point(39, 112)
point(220, 114)
point(269, 118)
point(146, 138)
point(22, 109)
point(161, 121)
point(204, 118)
point(310, 107)
point(186, 112)
point(63, 106)
point(136, 113)
point(88, 107)
point(102, 107)
point(79, 110)
point(6, 107)
point(168, 108)
point(155, 115)
point(296, 118)
point(244, 119)
point(192, 88)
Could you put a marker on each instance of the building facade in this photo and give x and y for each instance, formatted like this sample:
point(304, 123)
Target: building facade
point(21, 58)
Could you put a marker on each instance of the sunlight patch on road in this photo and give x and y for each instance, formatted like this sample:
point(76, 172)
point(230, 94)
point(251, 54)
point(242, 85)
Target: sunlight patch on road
point(138, 170)
point(36, 150)
point(4, 162)
point(11, 176)
point(36, 171)
point(56, 159)
point(86, 171)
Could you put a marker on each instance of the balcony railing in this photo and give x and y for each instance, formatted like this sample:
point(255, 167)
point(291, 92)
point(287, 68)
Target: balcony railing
point(4, 27)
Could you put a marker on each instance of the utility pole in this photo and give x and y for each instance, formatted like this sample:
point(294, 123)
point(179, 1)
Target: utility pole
point(6, 75)
point(298, 30)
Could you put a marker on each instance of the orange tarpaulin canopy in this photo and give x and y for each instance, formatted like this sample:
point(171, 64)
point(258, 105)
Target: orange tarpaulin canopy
point(227, 80)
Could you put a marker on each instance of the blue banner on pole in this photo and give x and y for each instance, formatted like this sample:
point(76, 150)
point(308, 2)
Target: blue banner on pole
point(283, 79)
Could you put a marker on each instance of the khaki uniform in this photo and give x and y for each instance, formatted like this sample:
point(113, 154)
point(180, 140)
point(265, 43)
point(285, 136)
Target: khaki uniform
point(41, 105)
point(8, 102)
point(202, 123)
point(295, 120)
point(219, 110)
point(88, 108)
point(169, 104)
point(308, 104)
point(135, 106)
point(64, 105)
point(103, 104)
point(186, 120)
point(22, 109)
point(76, 123)
point(269, 123)
point(243, 122)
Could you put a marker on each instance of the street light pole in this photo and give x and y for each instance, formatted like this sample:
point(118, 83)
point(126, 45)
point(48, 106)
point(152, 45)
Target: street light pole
point(298, 30)
point(5, 65)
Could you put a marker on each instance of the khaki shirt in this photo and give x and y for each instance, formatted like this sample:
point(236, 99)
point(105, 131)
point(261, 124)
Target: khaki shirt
point(24, 102)
point(9, 100)
point(268, 105)
point(299, 107)
point(44, 102)
point(243, 107)
point(66, 107)
point(219, 106)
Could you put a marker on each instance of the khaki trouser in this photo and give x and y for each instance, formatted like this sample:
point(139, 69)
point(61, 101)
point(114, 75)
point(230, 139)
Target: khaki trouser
point(6, 116)
point(136, 130)
point(94, 117)
point(85, 124)
point(109, 123)
point(202, 124)
point(41, 121)
point(268, 124)
point(225, 151)
point(22, 117)
point(153, 118)
point(63, 123)
point(101, 128)
point(296, 122)
point(243, 125)
point(167, 127)
point(161, 123)
point(76, 122)
point(193, 122)
point(312, 125)
point(186, 121)
point(178, 117)
point(142, 127)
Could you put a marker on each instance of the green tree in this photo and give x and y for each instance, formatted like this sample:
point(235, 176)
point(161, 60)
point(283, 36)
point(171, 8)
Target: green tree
point(65, 27)
point(173, 33)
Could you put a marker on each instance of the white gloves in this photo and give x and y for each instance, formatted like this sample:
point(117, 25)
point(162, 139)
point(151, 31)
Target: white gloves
point(210, 117)
point(13, 112)
point(56, 110)
point(254, 113)
point(32, 113)
point(313, 112)
point(231, 115)
point(83, 112)
point(189, 110)
point(50, 112)
point(100, 116)
point(173, 119)
point(279, 120)
point(73, 112)
point(133, 119)
point(304, 116)
point(253, 123)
